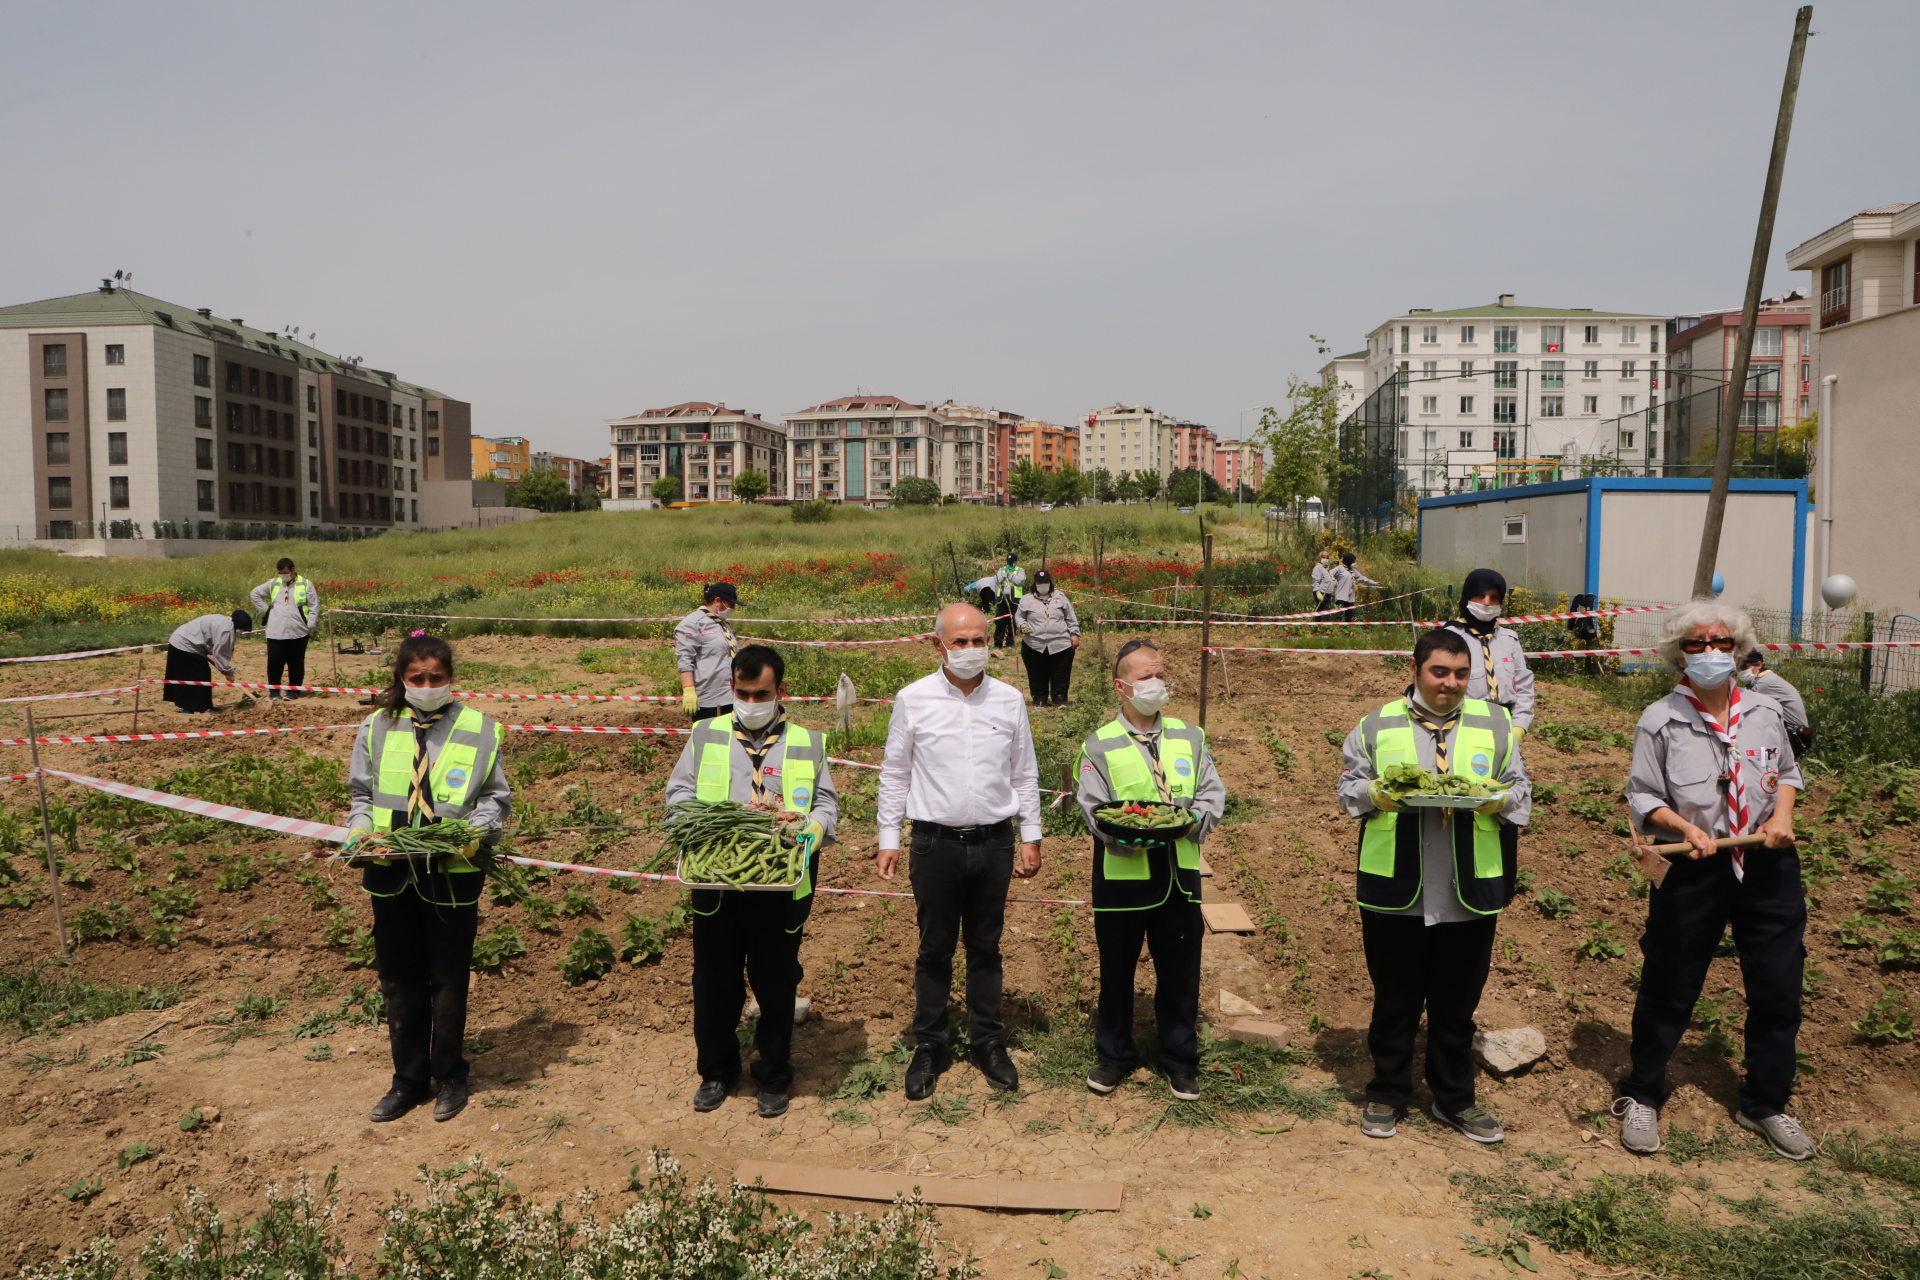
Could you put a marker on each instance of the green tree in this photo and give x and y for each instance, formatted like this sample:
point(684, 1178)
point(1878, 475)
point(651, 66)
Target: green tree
point(915, 491)
point(750, 485)
point(543, 489)
point(1303, 444)
point(666, 489)
point(1190, 485)
point(1100, 480)
point(1027, 482)
point(1066, 486)
point(1126, 488)
point(1151, 485)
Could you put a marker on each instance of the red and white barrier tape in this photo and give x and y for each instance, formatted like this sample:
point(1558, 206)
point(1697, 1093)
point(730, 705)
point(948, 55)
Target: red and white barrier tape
point(778, 622)
point(464, 693)
point(90, 693)
point(1265, 617)
point(1577, 653)
point(85, 653)
point(76, 739)
point(1314, 621)
point(206, 808)
point(839, 644)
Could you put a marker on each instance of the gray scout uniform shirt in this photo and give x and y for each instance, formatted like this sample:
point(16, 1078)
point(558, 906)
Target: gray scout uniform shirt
point(1679, 764)
point(283, 620)
point(1781, 690)
point(491, 804)
point(210, 635)
point(683, 782)
point(1343, 583)
point(704, 645)
point(1048, 621)
point(1322, 579)
point(1438, 902)
point(1510, 667)
point(1096, 788)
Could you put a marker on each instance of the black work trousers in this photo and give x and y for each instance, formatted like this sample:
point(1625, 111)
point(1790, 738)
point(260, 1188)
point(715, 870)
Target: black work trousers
point(741, 938)
point(1686, 917)
point(1003, 629)
point(960, 892)
point(1441, 968)
point(424, 953)
point(1322, 602)
point(1172, 932)
point(1048, 675)
point(289, 658)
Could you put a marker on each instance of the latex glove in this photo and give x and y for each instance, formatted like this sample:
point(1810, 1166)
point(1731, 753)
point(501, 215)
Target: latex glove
point(810, 837)
point(1493, 806)
point(1382, 801)
point(1519, 732)
point(358, 841)
point(690, 699)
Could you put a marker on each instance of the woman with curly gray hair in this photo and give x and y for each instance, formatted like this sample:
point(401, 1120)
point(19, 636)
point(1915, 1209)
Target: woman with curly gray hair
point(1712, 762)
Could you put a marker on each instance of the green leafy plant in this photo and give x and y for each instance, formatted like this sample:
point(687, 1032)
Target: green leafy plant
point(316, 891)
point(577, 902)
point(1893, 894)
point(316, 1025)
point(1856, 931)
point(1602, 941)
point(108, 921)
point(85, 1189)
point(1592, 808)
point(641, 939)
point(1889, 1019)
point(496, 946)
point(133, 1153)
point(542, 913)
point(1554, 904)
point(237, 874)
point(360, 953)
point(337, 931)
point(589, 956)
point(192, 1119)
point(1902, 949)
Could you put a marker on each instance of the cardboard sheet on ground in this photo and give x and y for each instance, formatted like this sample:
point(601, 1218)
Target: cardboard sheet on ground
point(973, 1193)
point(1226, 917)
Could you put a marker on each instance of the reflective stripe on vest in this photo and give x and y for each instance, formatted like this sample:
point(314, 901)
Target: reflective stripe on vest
point(464, 764)
point(1130, 775)
point(1392, 863)
point(799, 766)
point(300, 586)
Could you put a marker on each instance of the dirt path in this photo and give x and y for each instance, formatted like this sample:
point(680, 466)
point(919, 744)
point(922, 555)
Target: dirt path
point(574, 1083)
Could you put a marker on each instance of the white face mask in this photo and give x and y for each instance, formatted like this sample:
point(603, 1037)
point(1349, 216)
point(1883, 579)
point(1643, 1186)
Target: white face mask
point(286, 577)
point(429, 697)
point(756, 715)
point(1709, 670)
point(1044, 589)
point(1149, 696)
point(1749, 677)
point(1483, 612)
point(719, 608)
point(967, 663)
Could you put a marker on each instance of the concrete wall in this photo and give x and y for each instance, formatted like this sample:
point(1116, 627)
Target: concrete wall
point(1455, 539)
point(1876, 419)
point(131, 548)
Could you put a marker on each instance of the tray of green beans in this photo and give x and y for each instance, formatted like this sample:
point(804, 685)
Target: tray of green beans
point(726, 845)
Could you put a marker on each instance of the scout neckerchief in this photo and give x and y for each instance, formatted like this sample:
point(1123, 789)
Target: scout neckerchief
point(1438, 728)
point(1149, 741)
point(758, 754)
point(419, 793)
point(1485, 637)
point(1737, 815)
point(733, 641)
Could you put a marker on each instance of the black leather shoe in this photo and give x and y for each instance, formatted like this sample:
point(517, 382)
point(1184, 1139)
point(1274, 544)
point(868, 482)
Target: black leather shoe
point(1106, 1077)
point(923, 1071)
point(396, 1104)
point(993, 1063)
point(452, 1099)
point(772, 1104)
point(1185, 1087)
point(710, 1095)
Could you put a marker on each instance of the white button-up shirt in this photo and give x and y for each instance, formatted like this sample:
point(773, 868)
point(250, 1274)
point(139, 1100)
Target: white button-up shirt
point(958, 759)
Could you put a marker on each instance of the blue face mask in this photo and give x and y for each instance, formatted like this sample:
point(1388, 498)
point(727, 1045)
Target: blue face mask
point(1709, 670)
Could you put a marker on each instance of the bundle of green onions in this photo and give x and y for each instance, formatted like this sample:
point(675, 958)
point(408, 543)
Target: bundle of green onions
point(724, 842)
point(448, 838)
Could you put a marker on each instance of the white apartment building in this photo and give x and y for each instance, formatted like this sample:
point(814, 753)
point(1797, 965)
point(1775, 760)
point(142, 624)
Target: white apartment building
point(701, 443)
point(1349, 373)
point(1510, 389)
point(1135, 438)
point(853, 449)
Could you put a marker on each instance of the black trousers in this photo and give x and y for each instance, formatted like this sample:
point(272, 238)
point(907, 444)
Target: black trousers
point(182, 665)
point(1686, 917)
point(741, 938)
point(1003, 630)
point(1347, 608)
point(960, 892)
point(1441, 968)
point(708, 713)
point(288, 657)
point(1172, 932)
point(1048, 675)
point(424, 953)
point(1322, 602)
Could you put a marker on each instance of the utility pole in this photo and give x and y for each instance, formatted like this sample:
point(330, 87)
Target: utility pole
point(1206, 619)
point(1734, 394)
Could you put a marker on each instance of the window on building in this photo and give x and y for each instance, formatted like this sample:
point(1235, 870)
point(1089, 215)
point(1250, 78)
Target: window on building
point(203, 494)
point(1429, 368)
point(1590, 370)
point(119, 495)
point(116, 404)
point(1513, 529)
point(203, 371)
point(1506, 408)
point(1466, 368)
point(1506, 373)
point(1766, 340)
point(116, 448)
point(59, 449)
point(1429, 440)
point(1553, 406)
point(1627, 441)
point(1466, 439)
point(202, 453)
point(1506, 444)
point(55, 400)
point(1403, 442)
point(1590, 404)
point(1629, 404)
point(1553, 373)
point(1506, 337)
point(60, 492)
point(53, 360)
point(1553, 337)
point(1430, 334)
point(1403, 408)
point(1591, 333)
point(1836, 292)
point(1762, 414)
point(1629, 333)
point(1466, 406)
point(433, 445)
point(116, 353)
point(1466, 333)
point(1629, 369)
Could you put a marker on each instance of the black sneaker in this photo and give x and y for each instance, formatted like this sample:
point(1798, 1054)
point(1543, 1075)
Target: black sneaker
point(451, 1101)
point(991, 1061)
point(710, 1095)
point(1185, 1086)
point(923, 1071)
point(1106, 1077)
point(396, 1104)
point(772, 1104)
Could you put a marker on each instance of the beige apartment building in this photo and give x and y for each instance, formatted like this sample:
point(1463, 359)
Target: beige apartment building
point(1865, 384)
point(140, 417)
point(701, 443)
point(855, 448)
point(581, 476)
point(1134, 438)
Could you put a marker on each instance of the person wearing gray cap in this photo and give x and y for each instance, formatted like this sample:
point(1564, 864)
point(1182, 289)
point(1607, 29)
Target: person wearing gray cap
point(704, 644)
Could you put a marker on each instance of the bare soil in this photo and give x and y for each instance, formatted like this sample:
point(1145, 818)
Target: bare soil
point(572, 1084)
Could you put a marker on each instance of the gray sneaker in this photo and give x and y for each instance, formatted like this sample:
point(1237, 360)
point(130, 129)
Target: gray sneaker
point(1473, 1122)
point(1783, 1133)
point(1639, 1126)
point(1378, 1120)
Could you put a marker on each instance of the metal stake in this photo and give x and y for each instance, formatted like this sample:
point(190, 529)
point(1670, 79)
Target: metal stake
point(1206, 618)
point(139, 683)
point(46, 835)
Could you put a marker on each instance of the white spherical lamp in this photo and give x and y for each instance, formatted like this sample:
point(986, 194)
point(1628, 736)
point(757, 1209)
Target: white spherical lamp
point(1838, 591)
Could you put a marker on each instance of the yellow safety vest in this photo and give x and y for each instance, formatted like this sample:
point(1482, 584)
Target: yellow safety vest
point(465, 762)
point(1130, 777)
point(300, 595)
point(798, 769)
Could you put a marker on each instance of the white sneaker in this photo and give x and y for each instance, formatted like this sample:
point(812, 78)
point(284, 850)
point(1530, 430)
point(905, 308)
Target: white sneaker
point(1782, 1132)
point(1639, 1126)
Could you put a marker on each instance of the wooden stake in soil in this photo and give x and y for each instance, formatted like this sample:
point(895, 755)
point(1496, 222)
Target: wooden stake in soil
point(1099, 624)
point(333, 645)
point(957, 588)
point(1206, 618)
point(139, 683)
point(46, 835)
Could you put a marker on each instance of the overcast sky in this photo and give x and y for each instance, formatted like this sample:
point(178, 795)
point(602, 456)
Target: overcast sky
point(569, 212)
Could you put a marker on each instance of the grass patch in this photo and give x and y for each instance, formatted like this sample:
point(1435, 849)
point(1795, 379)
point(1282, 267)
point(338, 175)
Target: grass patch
point(33, 999)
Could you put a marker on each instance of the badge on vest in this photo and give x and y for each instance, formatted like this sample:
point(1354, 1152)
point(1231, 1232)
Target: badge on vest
point(771, 771)
point(1480, 764)
point(1182, 766)
point(1770, 781)
point(802, 795)
point(457, 776)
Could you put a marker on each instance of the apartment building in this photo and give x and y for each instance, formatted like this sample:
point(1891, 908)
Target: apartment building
point(1700, 351)
point(577, 472)
point(503, 458)
point(1194, 447)
point(1507, 388)
point(1047, 445)
point(703, 444)
point(853, 449)
point(136, 413)
point(1238, 462)
point(1865, 383)
point(998, 430)
point(1133, 438)
point(1348, 374)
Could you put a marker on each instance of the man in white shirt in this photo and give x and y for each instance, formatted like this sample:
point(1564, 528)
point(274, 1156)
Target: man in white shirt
point(960, 765)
